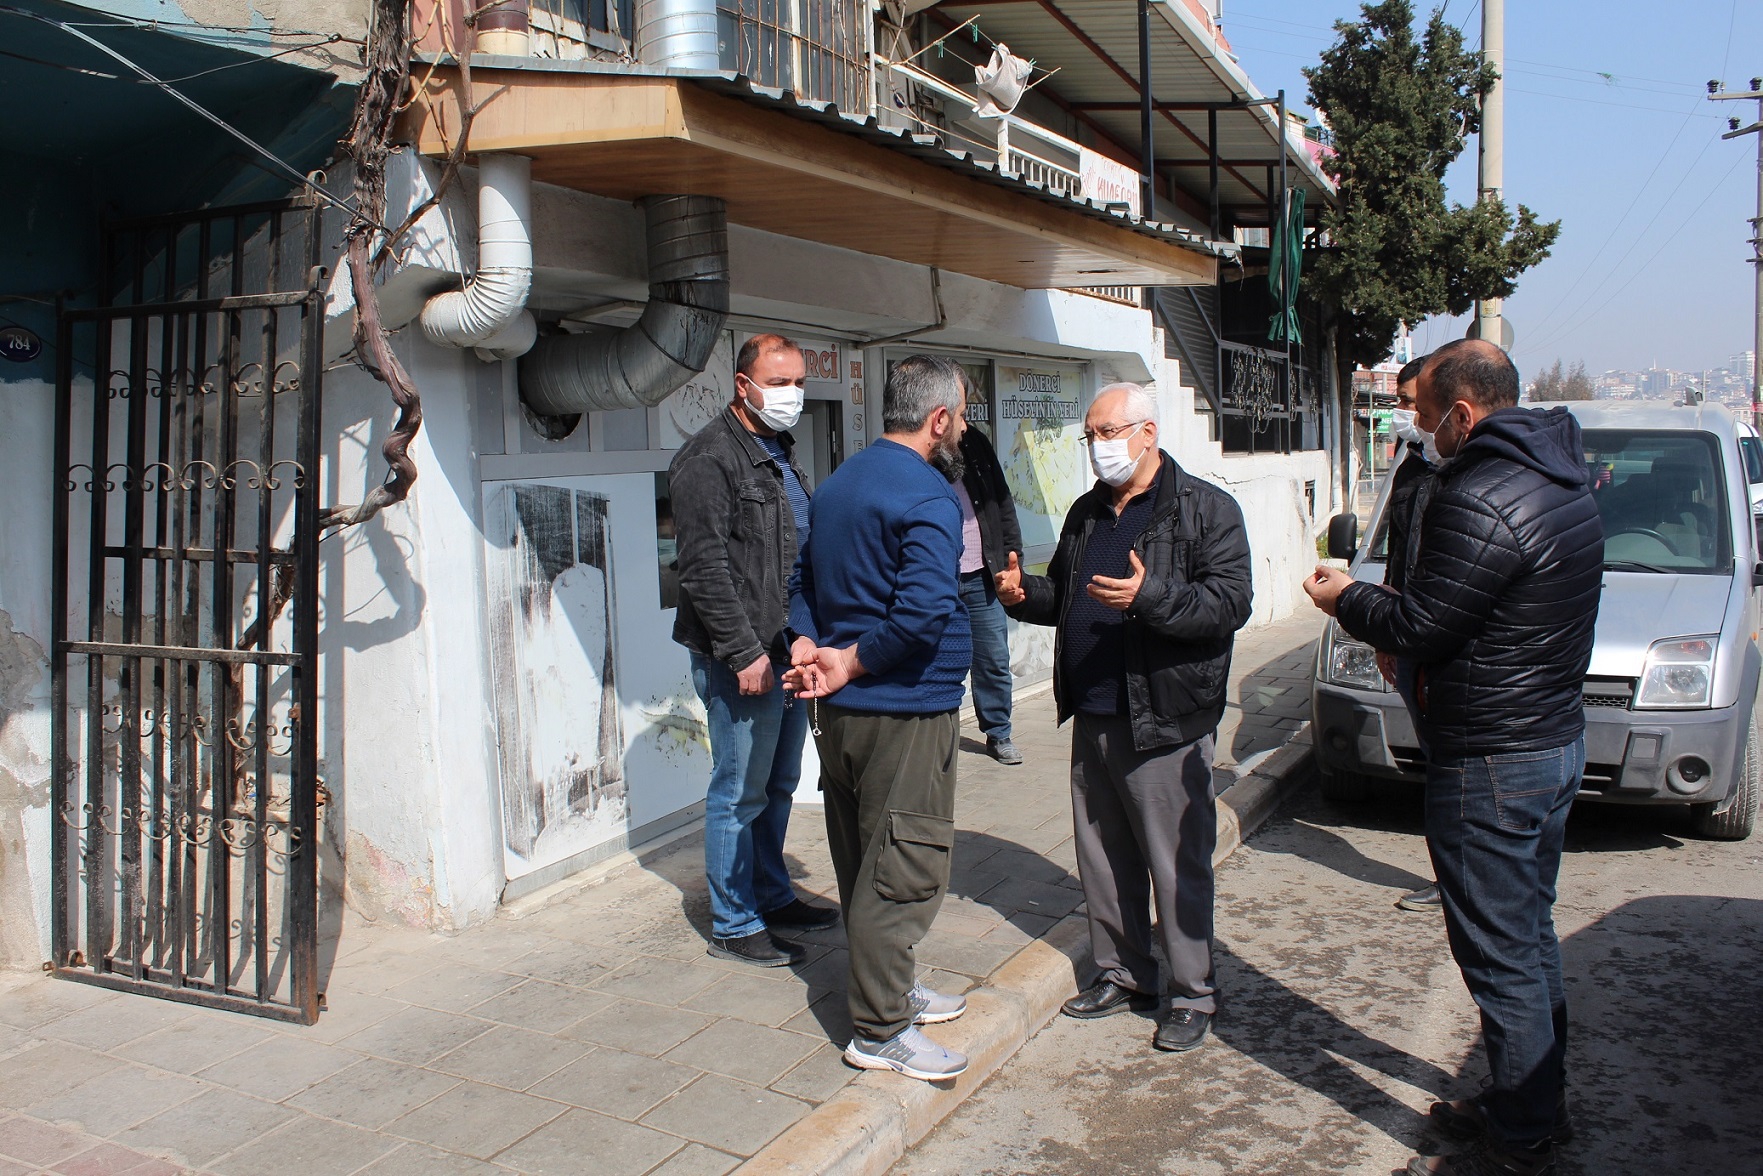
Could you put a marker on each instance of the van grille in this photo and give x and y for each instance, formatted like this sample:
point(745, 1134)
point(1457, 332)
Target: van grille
point(1609, 692)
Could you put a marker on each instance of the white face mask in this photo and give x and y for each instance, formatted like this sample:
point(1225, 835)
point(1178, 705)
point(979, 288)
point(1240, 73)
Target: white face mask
point(1429, 449)
point(1110, 460)
point(783, 405)
point(1405, 423)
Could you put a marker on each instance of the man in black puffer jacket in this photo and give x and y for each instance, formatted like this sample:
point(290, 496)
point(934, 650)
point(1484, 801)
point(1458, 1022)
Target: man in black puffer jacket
point(1498, 611)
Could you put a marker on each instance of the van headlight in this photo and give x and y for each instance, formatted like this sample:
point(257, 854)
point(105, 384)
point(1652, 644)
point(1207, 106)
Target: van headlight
point(1679, 674)
point(1347, 662)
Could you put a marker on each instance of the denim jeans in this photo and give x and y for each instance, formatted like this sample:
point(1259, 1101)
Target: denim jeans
point(991, 678)
point(1494, 825)
point(756, 760)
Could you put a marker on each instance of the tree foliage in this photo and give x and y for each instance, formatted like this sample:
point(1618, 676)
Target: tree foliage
point(1401, 108)
point(1552, 385)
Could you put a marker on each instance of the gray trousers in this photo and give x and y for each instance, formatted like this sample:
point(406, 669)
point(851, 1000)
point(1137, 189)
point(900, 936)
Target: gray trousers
point(1146, 827)
point(890, 825)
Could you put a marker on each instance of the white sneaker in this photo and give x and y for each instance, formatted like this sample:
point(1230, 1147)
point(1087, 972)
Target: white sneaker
point(908, 1052)
point(933, 1008)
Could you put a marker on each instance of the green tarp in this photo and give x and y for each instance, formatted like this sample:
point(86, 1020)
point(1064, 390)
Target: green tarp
point(1285, 258)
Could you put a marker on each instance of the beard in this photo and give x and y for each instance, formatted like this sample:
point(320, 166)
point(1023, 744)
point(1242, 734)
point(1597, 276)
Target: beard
point(948, 461)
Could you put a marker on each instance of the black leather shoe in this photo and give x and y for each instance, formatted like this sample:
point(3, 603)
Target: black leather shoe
point(761, 949)
point(1465, 1119)
point(1484, 1159)
point(1181, 1029)
point(802, 916)
point(1104, 998)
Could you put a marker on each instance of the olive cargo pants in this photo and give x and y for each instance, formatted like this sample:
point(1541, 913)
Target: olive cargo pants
point(890, 825)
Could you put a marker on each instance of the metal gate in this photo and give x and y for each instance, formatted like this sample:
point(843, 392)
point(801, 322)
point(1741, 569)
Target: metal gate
point(186, 612)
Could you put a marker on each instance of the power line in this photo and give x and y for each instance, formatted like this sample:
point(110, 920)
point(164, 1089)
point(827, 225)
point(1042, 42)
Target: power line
point(299, 177)
point(1682, 224)
point(1621, 220)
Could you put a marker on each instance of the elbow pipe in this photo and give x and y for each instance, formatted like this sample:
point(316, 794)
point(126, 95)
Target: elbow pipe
point(490, 312)
point(642, 364)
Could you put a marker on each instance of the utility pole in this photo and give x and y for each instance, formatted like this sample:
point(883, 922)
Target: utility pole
point(1491, 146)
point(1716, 94)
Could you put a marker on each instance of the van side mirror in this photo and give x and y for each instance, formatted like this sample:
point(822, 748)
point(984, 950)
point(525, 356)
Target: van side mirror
point(1343, 536)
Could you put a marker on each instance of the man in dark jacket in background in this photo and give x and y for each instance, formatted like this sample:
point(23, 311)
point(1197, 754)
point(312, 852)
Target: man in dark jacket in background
point(1411, 487)
point(1148, 586)
point(740, 506)
point(1498, 612)
point(990, 535)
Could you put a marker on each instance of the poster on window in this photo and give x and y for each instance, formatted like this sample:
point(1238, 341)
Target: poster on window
point(553, 638)
point(1039, 438)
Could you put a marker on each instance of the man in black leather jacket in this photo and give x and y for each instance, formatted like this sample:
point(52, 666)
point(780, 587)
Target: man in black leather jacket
point(1148, 586)
point(1498, 611)
point(740, 509)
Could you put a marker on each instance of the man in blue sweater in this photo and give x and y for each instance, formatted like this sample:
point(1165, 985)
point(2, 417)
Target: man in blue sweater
point(877, 592)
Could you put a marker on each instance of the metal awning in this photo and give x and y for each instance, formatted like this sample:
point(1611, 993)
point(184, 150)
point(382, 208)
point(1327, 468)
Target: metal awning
point(802, 170)
point(1198, 89)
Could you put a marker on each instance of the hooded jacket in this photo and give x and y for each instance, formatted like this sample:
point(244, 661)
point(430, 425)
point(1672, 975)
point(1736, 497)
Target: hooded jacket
point(1500, 606)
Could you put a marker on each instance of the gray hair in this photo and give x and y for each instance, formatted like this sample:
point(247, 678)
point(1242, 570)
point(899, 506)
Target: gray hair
point(917, 386)
point(1139, 404)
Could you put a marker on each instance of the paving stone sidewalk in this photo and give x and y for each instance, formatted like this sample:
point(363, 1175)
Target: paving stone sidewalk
point(589, 1034)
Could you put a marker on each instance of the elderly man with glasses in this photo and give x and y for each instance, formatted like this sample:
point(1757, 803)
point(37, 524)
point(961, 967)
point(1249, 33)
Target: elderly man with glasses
point(1147, 588)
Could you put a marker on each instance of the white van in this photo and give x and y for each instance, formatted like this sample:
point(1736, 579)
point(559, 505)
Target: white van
point(1671, 696)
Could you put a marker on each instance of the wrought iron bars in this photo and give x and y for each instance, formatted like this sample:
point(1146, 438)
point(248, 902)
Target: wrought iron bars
point(185, 594)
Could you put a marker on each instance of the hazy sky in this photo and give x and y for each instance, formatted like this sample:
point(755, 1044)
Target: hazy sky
point(1608, 130)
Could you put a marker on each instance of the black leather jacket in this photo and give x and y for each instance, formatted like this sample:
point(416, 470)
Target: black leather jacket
point(1179, 631)
point(1500, 606)
point(737, 544)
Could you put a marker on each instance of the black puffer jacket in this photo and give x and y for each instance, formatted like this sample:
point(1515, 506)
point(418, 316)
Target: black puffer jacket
point(1196, 594)
point(1500, 606)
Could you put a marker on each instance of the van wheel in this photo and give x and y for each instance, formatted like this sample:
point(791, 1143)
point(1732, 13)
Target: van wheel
point(1344, 787)
point(1736, 823)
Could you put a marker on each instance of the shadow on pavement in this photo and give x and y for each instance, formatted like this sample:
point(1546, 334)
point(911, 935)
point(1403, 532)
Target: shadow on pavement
point(1663, 994)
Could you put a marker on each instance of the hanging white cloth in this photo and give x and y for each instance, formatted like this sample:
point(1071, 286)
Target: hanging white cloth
point(1001, 81)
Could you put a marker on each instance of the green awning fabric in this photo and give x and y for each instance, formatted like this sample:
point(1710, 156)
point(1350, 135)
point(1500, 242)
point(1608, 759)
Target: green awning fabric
point(1285, 258)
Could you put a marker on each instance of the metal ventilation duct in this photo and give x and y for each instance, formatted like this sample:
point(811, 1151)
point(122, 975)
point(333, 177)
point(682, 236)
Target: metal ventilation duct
point(640, 365)
point(678, 34)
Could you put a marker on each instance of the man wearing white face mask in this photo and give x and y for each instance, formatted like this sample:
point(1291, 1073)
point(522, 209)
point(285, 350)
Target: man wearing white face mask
point(740, 510)
point(1150, 581)
point(1411, 487)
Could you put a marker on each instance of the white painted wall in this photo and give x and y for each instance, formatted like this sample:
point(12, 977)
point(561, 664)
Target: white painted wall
point(27, 425)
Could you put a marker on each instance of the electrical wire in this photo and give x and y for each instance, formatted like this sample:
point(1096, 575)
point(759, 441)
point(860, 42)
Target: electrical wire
point(1682, 224)
point(1620, 221)
point(283, 165)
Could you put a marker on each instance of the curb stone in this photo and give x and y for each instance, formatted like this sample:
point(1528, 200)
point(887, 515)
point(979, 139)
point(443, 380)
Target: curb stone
point(865, 1128)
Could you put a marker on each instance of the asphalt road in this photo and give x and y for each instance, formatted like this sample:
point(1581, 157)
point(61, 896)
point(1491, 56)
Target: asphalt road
point(1345, 1017)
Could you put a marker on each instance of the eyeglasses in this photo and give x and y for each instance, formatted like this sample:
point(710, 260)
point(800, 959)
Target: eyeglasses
point(1109, 432)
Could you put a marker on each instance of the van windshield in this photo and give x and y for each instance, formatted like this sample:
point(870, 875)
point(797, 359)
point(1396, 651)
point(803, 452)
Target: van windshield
point(1663, 500)
point(1662, 497)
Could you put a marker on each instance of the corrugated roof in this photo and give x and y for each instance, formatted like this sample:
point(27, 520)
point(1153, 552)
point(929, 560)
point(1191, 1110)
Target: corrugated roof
point(932, 149)
point(1095, 45)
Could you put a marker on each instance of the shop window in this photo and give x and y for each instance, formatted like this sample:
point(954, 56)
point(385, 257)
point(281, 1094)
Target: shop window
point(816, 49)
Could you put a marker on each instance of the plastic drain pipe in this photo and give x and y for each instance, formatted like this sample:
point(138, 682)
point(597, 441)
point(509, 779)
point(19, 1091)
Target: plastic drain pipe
point(490, 312)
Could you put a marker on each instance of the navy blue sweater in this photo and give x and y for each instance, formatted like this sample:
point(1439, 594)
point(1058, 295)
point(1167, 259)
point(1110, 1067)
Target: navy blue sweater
point(880, 569)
